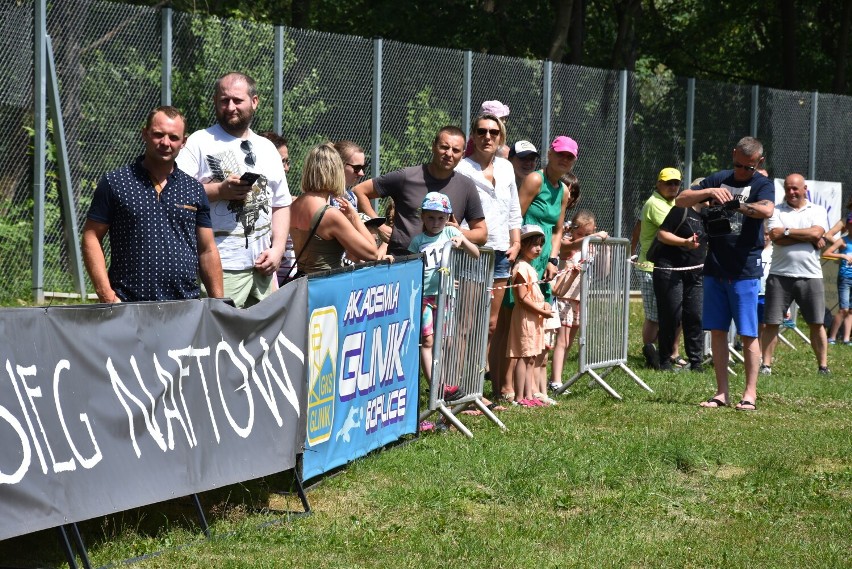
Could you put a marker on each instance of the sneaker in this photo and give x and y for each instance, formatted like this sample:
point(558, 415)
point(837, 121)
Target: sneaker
point(823, 370)
point(553, 385)
point(652, 358)
point(453, 393)
point(832, 341)
point(848, 343)
point(765, 369)
point(697, 367)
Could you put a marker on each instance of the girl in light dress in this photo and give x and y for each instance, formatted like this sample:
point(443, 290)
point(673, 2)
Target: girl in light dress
point(526, 330)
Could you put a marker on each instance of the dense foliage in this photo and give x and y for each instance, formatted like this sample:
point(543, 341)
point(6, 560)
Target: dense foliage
point(802, 45)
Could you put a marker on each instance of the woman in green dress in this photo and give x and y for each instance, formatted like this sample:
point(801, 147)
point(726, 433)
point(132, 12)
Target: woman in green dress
point(544, 200)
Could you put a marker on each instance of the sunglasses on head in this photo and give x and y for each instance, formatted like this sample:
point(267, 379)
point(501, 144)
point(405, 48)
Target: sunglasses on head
point(494, 132)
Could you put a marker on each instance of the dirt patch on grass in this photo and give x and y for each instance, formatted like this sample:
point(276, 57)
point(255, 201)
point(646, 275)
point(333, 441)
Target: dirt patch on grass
point(827, 465)
point(728, 471)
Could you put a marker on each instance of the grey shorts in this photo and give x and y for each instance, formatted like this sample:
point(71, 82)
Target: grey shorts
point(649, 299)
point(809, 294)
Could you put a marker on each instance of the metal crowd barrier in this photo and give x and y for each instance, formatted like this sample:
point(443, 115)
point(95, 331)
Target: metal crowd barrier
point(604, 311)
point(461, 335)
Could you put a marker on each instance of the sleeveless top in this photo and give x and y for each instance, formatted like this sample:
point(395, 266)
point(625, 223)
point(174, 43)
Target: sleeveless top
point(544, 211)
point(318, 254)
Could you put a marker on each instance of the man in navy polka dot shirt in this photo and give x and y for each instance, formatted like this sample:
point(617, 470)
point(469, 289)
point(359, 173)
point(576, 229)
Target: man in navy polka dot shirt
point(244, 179)
point(158, 221)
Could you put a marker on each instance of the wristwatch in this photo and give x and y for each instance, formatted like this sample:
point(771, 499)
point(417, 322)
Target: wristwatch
point(786, 232)
point(554, 261)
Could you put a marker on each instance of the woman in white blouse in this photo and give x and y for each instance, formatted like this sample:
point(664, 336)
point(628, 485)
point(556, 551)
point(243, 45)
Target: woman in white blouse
point(495, 180)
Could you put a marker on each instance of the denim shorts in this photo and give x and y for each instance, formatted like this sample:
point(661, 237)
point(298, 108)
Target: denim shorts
point(501, 265)
point(843, 286)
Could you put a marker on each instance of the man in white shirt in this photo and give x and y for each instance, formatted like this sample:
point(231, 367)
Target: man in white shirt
point(796, 228)
point(244, 178)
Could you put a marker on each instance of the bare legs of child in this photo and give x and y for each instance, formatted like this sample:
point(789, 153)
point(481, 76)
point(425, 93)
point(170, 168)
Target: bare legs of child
point(564, 341)
point(524, 376)
point(427, 342)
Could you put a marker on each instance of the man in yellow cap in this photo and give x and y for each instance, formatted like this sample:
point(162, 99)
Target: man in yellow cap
point(653, 213)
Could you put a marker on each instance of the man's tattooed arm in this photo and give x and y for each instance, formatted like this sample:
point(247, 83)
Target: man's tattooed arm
point(761, 209)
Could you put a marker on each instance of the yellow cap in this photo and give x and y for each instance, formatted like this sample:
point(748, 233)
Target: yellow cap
point(667, 174)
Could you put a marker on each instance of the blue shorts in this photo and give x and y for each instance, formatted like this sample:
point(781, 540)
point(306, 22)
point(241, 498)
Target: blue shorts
point(844, 284)
point(726, 299)
point(501, 265)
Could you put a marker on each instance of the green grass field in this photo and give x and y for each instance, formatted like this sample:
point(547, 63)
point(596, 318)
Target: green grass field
point(652, 481)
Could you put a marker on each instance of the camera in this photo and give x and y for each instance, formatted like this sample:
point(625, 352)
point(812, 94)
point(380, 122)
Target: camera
point(717, 218)
point(716, 221)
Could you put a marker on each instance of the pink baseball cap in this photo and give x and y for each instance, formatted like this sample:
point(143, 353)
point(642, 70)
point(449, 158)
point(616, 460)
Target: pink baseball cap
point(495, 108)
point(565, 144)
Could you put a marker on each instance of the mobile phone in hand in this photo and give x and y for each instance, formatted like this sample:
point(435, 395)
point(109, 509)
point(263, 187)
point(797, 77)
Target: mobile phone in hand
point(249, 177)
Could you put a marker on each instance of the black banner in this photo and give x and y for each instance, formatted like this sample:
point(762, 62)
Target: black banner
point(109, 407)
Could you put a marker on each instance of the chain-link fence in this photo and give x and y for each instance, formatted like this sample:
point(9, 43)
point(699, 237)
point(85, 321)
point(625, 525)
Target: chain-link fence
point(110, 67)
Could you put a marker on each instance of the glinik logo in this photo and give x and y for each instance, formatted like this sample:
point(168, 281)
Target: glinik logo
point(322, 358)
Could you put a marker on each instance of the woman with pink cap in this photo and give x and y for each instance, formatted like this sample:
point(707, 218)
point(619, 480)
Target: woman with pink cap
point(544, 199)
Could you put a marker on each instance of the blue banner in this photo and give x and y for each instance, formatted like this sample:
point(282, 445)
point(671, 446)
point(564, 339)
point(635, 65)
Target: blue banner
point(363, 362)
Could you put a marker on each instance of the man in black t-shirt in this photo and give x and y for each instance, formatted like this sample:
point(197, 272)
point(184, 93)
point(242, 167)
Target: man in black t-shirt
point(407, 188)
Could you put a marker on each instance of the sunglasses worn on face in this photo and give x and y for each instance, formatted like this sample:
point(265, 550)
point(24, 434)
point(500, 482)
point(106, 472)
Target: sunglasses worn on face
point(245, 146)
point(357, 167)
point(672, 182)
point(494, 132)
point(744, 167)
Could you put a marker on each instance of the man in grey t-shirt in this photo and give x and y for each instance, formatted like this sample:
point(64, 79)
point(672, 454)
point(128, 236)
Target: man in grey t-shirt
point(407, 188)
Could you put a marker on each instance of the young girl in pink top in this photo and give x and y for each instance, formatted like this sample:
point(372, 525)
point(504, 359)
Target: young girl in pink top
point(526, 330)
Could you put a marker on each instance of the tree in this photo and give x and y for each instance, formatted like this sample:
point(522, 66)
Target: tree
point(797, 44)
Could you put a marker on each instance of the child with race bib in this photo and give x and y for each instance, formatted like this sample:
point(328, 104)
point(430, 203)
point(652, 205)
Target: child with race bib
point(434, 213)
point(526, 330)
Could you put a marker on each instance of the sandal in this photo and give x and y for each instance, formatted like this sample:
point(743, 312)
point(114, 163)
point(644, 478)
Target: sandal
point(679, 362)
point(547, 401)
point(507, 397)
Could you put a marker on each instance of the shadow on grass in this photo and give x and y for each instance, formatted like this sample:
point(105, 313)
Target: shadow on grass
point(151, 529)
